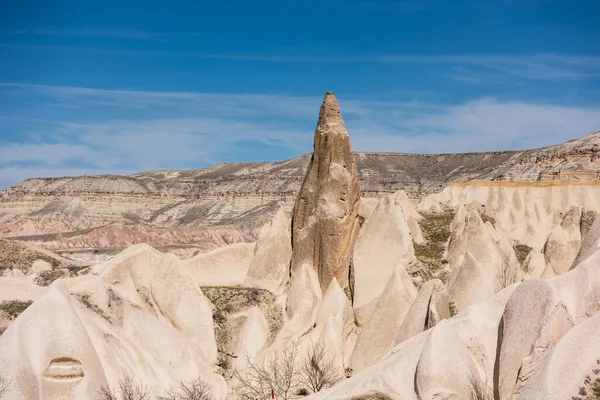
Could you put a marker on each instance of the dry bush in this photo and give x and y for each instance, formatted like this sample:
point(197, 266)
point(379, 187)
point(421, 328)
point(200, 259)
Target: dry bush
point(196, 389)
point(128, 390)
point(506, 276)
point(14, 308)
point(478, 389)
point(288, 375)
point(318, 371)
point(45, 278)
point(3, 386)
point(279, 374)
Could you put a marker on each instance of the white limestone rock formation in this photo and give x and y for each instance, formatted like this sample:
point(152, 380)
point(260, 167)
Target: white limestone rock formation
point(325, 217)
point(14, 273)
point(383, 246)
point(563, 373)
point(48, 354)
point(525, 210)
point(38, 267)
point(482, 260)
point(270, 265)
point(394, 376)
point(250, 331)
point(378, 334)
point(225, 266)
point(564, 242)
point(366, 207)
point(303, 300)
point(445, 365)
point(590, 243)
point(522, 323)
point(19, 289)
point(557, 324)
point(429, 308)
point(470, 283)
point(139, 315)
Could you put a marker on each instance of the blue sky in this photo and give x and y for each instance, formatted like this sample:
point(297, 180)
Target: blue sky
point(127, 86)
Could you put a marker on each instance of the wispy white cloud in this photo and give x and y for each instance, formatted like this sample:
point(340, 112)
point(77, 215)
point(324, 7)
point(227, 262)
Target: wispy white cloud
point(121, 130)
point(480, 125)
point(552, 67)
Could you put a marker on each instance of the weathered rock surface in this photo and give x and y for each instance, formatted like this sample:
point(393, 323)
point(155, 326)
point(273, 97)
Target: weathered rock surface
point(571, 360)
point(58, 361)
point(325, 217)
point(429, 308)
point(140, 315)
point(564, 241)
point(378, 334)
point(384, 244)
point(270, 266)
point(225, 266)
point(23, 256)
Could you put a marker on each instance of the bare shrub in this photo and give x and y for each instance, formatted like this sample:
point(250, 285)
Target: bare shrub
point(479, 389)
point(278, 374)
point(507, 275)
point(196, 389)
point(318, 371)
point(3, 386)
point(288, 375)
point(128, 390)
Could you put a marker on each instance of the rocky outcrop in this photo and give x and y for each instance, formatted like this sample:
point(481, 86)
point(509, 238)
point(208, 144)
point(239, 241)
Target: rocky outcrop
point(378, 334)
point(270, 265)
point(384, 245)
point(564, 241)
point(226, 266)
point(429, 308)
point(569, 366)
point(58, 361)
point(521, 325)
point(325, 217)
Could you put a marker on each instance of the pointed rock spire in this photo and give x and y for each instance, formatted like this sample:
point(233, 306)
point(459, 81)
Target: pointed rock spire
point(325, 216)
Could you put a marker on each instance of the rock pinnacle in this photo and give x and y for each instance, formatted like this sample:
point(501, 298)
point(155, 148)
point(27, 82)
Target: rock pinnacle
point(325, 217)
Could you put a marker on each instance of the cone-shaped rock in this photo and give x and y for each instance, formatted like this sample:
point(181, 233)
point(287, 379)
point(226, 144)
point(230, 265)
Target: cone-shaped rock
point(325, 217)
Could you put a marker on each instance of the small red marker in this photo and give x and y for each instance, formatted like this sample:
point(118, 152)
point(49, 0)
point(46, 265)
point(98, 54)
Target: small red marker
point(272, 394)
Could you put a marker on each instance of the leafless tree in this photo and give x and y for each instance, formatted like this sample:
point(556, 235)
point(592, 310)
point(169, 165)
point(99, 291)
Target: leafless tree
point(318, 370)
point(196, 389)
point(3, 386)
point(128, 390)
point(279, 374)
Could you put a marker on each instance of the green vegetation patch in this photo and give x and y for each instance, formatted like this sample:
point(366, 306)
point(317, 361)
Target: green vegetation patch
point(228, 300)
point(45, 278)
point(436, 231)
point(14, 308)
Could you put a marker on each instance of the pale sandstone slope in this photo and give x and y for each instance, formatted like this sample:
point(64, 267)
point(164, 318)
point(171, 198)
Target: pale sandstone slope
point(142, 316)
